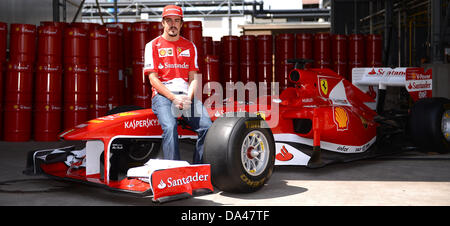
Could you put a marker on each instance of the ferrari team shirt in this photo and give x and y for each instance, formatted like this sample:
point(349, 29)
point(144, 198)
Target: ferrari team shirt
point(172, 61)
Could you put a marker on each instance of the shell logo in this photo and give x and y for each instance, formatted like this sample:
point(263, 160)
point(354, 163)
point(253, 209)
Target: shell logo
point(340, 117)
point(162, 52)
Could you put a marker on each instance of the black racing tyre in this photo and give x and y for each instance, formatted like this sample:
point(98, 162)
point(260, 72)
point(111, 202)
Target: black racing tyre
point(241, 152)
point(123, 108)
point(429, 124)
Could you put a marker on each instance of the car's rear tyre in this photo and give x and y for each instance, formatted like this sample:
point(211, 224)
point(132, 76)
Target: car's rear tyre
point(241, 151)
point(429, 124)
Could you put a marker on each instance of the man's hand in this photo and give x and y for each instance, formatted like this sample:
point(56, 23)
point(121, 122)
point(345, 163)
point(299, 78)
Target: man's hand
point(182, 102)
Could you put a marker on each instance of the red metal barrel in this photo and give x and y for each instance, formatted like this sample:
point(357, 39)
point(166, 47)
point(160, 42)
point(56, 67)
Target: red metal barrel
point(284, 50)
point(18, 101)
point(61, 25)
point(154, 30)
point(304, 47)
point(98, 47)
point(49, 45)
point(1, 100)
point(192, 30)
point(339, 54)
point(115, 86)
point(141, 86)
point(356, 52)
point(139, 40)
point(125, 63)
point(264, 58)
point(322, 50)
point(247, 60)
point(207, 46)
point(98, 91)
point(211, 74)
point(114, 45)
point(3, 38)
point(23, 43)
point(47, 102)
point(86, 26)
point(128, 62)
point(75, 110)
point(374, 48)
point(127, 50)
point(76, 45)
point(140, 34)
point(356, 47)
point(217, 48)
point(230, 59)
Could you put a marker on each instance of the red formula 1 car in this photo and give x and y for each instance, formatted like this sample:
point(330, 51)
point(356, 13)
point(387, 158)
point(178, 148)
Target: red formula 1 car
point(322, 119)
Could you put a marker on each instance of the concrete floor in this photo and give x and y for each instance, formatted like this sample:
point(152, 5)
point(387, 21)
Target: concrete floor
point(406, 179)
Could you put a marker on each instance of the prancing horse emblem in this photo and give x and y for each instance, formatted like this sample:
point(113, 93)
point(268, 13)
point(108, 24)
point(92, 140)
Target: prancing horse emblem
point(324, 86)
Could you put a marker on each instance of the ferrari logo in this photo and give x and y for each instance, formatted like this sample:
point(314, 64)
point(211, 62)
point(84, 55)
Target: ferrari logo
point(324, 86)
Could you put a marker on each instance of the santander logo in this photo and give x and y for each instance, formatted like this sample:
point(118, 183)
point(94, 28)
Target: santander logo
point(171, 182)
point(162, 185)
point(284, 155)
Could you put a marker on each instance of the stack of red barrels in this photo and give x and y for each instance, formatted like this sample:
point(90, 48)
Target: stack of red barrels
point(211, 69)
point(230, 60)
point(3, 38)
point(98, 72)
point(338, 52)
point(322, 51)
point(192, 30)
point(284, 50)
point(48, 84)
point(83, 69)
point(19, 83)
point(115, 67)
point(140, 85)
point(247, 67)
point(264, 58)
point(76, 77)
point(126, 64)
point(304, 47)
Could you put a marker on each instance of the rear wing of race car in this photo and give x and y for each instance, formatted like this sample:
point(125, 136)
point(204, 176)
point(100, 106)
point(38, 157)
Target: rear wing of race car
point(374, 82)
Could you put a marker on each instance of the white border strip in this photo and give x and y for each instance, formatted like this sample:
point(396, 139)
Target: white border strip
point(288, 137)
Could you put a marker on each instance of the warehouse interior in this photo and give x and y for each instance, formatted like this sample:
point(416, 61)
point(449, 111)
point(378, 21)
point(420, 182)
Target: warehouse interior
point(336, 34)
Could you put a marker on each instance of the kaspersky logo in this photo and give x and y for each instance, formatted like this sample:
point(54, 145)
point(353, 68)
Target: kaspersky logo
point(171, 182)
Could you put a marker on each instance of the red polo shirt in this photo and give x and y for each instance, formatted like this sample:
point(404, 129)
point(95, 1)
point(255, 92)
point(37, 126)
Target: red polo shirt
point(172, 61)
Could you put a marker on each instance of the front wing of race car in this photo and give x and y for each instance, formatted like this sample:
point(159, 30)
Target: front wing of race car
point(167, 180)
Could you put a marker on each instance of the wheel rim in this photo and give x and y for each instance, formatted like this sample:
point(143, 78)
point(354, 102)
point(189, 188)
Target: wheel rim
point(255, 153)
point(446, 125)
